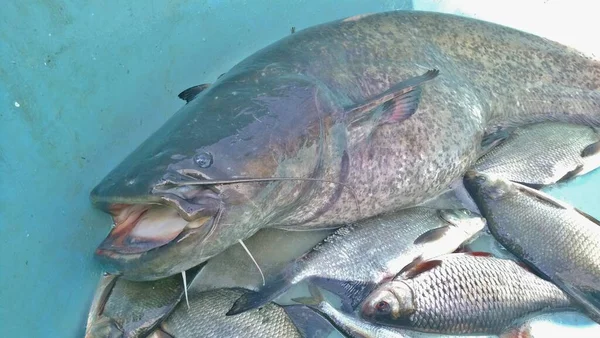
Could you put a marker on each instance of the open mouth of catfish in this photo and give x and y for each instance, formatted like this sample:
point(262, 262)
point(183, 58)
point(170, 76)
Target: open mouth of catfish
point(139, 228)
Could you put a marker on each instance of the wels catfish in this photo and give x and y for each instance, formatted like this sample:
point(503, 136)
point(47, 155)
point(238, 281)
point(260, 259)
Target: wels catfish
point(331, 125)
point(354, 259)
point(541, 154)
point(559, 241)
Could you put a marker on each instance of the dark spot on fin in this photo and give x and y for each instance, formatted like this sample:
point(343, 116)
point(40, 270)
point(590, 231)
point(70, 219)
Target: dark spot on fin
point(591, 150)
point(190, 93)
point(571, 174)
point(432, 235)
point(588, 216)
point(494, 139)
point(479, 254)
point(309, 322)
point(394, 105)
point(421, 268)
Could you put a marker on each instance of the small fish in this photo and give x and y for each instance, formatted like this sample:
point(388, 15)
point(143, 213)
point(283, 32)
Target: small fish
point(206, 318)
point(541, 154)
point(123, 308)
point(355, 258)
point(350, 325)
point(461, 293)
point(557, 240)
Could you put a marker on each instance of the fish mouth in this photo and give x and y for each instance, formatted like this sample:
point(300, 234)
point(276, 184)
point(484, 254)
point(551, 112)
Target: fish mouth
point(183, 210)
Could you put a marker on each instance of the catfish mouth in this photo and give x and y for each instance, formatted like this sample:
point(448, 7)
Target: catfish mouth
point(139, 228)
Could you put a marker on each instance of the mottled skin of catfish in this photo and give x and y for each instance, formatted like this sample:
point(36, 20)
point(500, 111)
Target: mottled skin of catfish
point(284, 107)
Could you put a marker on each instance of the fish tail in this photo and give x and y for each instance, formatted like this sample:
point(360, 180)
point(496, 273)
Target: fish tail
point(272, 289)
point(316, 297)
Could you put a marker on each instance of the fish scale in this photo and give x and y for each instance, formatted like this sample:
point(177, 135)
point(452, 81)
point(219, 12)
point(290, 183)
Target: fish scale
point(206, 318)
point(467, 294)
point(559, 241)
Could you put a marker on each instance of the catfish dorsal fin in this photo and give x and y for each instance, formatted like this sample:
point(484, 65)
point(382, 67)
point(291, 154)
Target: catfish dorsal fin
point(394, 105)
point(419, 268)
point(190, 93)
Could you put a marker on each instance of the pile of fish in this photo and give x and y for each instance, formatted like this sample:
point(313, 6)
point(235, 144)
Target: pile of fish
point(407, 201)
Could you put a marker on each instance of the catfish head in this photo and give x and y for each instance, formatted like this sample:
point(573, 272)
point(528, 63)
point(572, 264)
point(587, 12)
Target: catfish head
point(243, 153)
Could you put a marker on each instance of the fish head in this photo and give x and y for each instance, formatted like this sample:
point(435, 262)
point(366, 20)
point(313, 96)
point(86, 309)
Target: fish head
point(391, 303)
point(203, 181)
point(483, 186)
point(467, 223)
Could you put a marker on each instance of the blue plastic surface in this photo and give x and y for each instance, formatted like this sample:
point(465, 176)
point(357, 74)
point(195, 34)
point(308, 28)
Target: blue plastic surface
point(81, 85)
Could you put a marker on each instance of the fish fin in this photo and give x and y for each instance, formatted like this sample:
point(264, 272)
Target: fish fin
point(588, 216)
point(408, 267)
point(310, 322)
point(316, 297)
point(479, 254)
point(432, 235)
point(272, 289)
point(350, 292)
point(571, 174)
point(535, 186)
point(589, 302)
point(541, 196)
point(591, 150)
point(493, 139)
point(159, 333)
point(394, 105)
point(421, 267)
point(191, 93)
point(522, 331)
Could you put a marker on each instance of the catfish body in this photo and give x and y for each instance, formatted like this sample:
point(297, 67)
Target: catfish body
point(334, 124)
point(557, 240)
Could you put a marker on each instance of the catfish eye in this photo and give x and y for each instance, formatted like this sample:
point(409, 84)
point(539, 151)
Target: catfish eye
point(203, 159)
point(382, 307)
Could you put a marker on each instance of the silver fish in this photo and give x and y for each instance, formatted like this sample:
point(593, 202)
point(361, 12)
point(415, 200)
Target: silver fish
point(123, 308)
point(357, 257)
point(331, 125)
point(554, 238)
point(206, 318)
point(352, 326)
point(541, 154)
point(462, 294)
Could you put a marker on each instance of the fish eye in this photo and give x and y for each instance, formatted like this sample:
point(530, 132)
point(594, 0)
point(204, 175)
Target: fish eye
point(382, 307)
point(203, 159)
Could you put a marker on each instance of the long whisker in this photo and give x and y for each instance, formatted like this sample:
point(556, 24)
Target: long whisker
point(268, 179)
point(255, 263)
point(187, 300)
